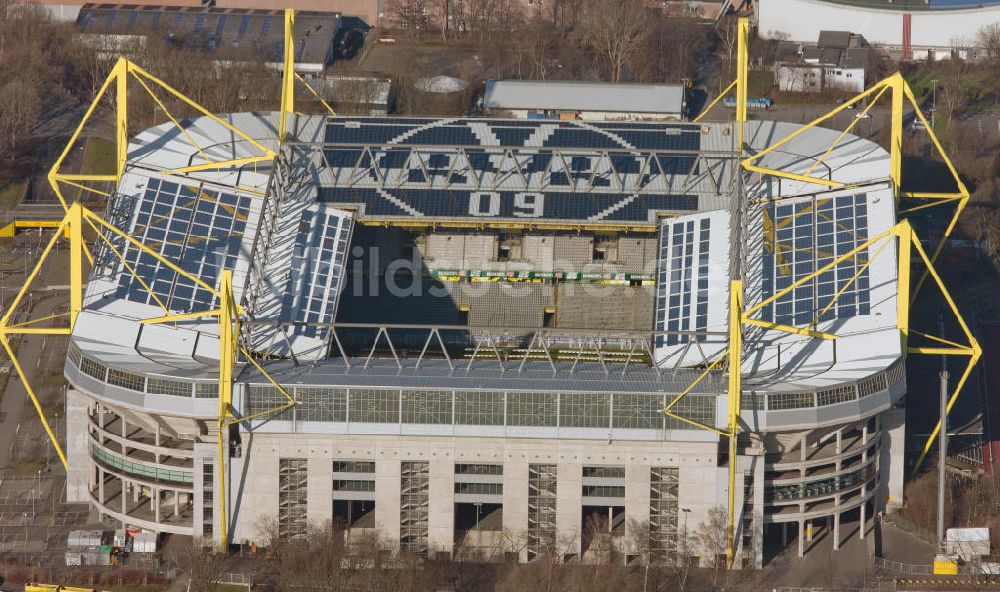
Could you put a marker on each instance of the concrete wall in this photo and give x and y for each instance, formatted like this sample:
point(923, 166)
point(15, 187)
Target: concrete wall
point(254, 486)
point(816, 77)
point(77, 454)
point(802, 20)
point(892, 457)
point(799, 78)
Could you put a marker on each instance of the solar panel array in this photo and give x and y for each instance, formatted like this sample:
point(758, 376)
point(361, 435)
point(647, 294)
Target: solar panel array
point(508, 204)
point(515, 133)
point(316, 273)
point(614, 171)
point(240, 33)
point(682, 281)
point(804, 236)
point(199, 229)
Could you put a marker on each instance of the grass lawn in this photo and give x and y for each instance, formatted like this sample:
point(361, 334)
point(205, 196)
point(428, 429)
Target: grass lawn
point(760, 83)
point(12, 192)
point(98, 157)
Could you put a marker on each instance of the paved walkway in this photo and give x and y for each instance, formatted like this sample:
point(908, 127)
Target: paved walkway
point(14, 401)
point(849, 566)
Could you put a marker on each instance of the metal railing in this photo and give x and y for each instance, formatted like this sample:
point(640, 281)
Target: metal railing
point(910, 527)
point(903, 568)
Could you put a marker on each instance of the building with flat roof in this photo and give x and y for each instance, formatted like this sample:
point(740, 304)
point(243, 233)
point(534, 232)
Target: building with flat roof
point(836, 62)
point(589, 101)
point(228, 34)
point(369, 10)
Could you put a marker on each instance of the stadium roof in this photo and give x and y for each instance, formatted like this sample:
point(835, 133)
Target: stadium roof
point(229, 33)
point(584, 96)
point(537, 376)
point(205, 222)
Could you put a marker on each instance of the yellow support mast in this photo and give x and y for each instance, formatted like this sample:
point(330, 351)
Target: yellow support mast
point(735, 355)
point(121, 74)
point(227, 360)
point(287, 75)
point(742, 65)
point(739, 82)
point(72, 224)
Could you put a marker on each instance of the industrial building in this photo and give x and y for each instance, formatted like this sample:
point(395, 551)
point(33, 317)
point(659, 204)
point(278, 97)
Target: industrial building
point(367, 10)
point(837, 62)
point(589, 101)
point(907, 29)
point(481, 322)
point(227, 34)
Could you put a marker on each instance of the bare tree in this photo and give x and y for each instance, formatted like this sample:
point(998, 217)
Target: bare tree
point(22, 105)
point(713, 538)
point(988, 38)
point(541, 44)
point(203, 566)
point(670, 49)
point(412, 15)
point(614, 31)
point(727, 31)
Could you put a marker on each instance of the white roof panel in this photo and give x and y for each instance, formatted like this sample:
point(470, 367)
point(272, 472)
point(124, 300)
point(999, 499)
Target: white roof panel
point(584, 96)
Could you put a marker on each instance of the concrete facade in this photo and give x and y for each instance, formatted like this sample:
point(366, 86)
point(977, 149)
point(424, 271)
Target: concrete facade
point(254, 488)
point(929, 29)
point(791, 484)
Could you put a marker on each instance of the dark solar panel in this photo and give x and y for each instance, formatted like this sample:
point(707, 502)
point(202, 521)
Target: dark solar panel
point(198, 229)
point(455, 203)
point(804, 237)
point(512, 136)
point(563, 134)
point(316, 271)
point(682, 279)
point(467, 150)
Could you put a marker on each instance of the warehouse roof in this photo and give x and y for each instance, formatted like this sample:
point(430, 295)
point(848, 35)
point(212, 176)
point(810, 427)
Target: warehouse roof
point(231, 32)
point(584, 96)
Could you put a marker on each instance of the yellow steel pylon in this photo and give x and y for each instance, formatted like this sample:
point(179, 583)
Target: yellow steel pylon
point(907, 242)
point(228, 314)
point(739, 83)
point(121, 74)
point(287, 75)
point(735, 359)
point(71, 227)
point(900, 95)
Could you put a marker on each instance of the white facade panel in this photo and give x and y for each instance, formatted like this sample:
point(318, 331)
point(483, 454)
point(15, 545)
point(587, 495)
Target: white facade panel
point(802, 21)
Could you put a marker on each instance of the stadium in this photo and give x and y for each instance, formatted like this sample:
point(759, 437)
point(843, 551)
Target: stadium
point(492, 338)
point(481, 322)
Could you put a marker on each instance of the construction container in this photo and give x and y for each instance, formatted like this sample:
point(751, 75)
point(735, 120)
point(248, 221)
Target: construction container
point(74, 559)
point(97, 555)
point(144, 542)
point(945, 565)
point(80, 539)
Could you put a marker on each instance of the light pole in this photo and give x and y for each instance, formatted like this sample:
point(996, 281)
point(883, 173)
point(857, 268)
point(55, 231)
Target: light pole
point(934, 84)
point(685, 511)
point(479, 534)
